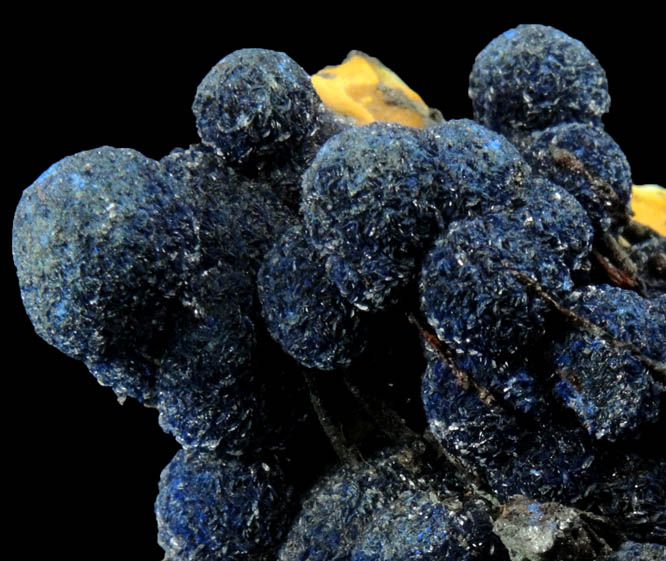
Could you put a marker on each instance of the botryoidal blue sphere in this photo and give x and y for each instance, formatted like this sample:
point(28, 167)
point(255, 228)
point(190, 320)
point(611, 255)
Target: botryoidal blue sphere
point(375, 343)
point(102, 242)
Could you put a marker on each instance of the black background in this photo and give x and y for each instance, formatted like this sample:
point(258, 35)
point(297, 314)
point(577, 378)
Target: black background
point(84, 470)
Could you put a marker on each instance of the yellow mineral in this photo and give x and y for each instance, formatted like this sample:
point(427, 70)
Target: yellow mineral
point(649, 205)
point(364, 90)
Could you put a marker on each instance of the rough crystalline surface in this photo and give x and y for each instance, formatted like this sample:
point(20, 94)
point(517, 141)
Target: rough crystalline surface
point(558, 219)
point(470, 296)
point(588, 163)
point(633, 551)
point(544, 459)
point(478, 170)
point(366, 210)
point(625, 315)
point(210, 509)
point(533, 531)
point(609, 389)
point(255, 104)
point(92, 232)
point(385, 509)
point(303, 309)
point(205, 393)
point(239, 218)
point(534, 76)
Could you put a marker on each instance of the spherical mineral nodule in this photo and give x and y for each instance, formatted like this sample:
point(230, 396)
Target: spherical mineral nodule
point(254, 104)
point(535, 76)
point(239, 218)
point(303, 310)
point(609, 390)
point(354, 513)
point(624, 314)
point(560, 221)
point(101, 242)
point(470, 293)
point(214, 509)
point(478, 170)
point(588, 163)
point(368, 209)
point(204, 386)
point(544, 460)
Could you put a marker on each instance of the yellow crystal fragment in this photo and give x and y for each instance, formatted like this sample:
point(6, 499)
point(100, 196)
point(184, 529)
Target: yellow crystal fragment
point(363, 89)
point(649, 205)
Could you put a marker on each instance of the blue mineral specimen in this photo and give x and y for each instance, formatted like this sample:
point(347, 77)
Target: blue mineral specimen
point(478, 170)
point(625, 315)
point(239, 218)
point(610, 391)
point(208, 394)
point(535, 76)
point(303, 309)
point(588, 163)
point(284, 174)
point(213, 509)
point(470, 294)
point(205, 393)
point(388, 508)
point(558, 220)
point(366, 210)
point(545, 460)
point(255, 104)
point(102, 242)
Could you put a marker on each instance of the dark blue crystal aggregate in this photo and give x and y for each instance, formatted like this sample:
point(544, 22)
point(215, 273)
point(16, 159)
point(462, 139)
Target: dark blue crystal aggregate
point(544, 460)
point(254, 104)
point(102, 243)
point(367, 210)
point(588, 163)
point(208, 284)
point(303, 309)
point(213, 509)
point(558, 220)
point(388, 509)
point(470, 294)
point(477, 169)
point(535, 76)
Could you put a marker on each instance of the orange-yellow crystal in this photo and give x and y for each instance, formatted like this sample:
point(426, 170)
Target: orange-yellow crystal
point(649, 205)
point(365, 90)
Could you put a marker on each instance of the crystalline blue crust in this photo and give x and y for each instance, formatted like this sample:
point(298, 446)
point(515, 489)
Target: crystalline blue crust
point(625, 315)
point(255, 104)
point(470, 296)
point(388, 509)
point(589, 164)
point(534, 76)
point(477, 169)
point(608, 387)
point(91, 233)
point(543, 460)
point(365, 209)
point(558, 220)
point(209, 509)
point(303, 310)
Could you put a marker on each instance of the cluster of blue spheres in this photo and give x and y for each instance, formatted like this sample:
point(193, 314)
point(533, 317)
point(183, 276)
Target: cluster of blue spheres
point(375, 343)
